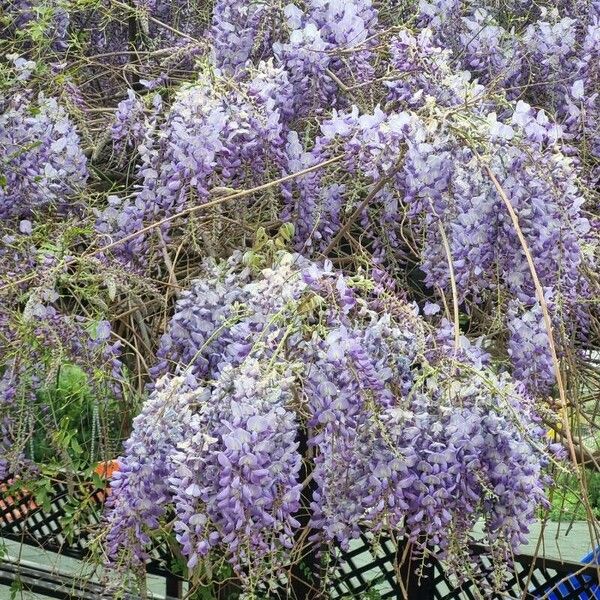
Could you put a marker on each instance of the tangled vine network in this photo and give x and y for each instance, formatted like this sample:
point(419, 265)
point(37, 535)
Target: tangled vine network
point(311, 269)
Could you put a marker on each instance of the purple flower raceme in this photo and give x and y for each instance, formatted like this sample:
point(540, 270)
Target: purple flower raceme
point(129, 125)
point(328, 42)
point(241, 31)
point(140, 489)
point(529, 348)
point(42, 160)
point(217, 320)
point(371, 145)
point(236, 475)
point(424, 69)
point(491, 51)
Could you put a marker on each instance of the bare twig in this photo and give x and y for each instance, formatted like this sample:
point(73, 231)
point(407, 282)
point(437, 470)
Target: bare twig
point(356, 214)
point(188, 211)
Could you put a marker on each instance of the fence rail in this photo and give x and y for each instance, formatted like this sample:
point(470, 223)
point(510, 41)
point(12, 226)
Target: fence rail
point(365, 568)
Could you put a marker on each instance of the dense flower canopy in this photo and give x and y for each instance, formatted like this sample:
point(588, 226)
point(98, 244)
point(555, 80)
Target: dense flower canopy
point(339, 257)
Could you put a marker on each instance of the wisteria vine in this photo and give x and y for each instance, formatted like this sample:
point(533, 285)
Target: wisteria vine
point(317, 242)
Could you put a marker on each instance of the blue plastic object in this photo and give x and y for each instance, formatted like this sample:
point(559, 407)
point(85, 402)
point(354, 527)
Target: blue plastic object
point(564, 590)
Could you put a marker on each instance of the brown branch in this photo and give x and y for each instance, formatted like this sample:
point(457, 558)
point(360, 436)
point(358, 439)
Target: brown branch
point(356, 214)
point(188, 211)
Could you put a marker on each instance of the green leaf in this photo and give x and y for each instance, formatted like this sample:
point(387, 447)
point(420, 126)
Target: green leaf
point(16, 589)
point(98, 481)
point(76, 446)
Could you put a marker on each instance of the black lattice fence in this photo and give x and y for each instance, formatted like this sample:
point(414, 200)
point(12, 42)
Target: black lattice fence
point(387, 570)
point(382, 570)
point(22, 519)
point(54, 527)
point(48, 583)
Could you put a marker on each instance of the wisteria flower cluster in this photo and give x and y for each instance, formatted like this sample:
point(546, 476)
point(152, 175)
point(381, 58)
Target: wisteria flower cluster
point(403, 431)
point(42, 160)
point(211, 138)
point(432, 148)
point(547, 53)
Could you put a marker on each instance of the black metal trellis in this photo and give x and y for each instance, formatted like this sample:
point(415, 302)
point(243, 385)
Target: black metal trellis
point(47, 583)
point(23, 520)
point(365, 568)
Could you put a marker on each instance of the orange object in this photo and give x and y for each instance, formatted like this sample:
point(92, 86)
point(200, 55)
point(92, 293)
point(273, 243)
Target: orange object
point(106, 468)
point(15, 507)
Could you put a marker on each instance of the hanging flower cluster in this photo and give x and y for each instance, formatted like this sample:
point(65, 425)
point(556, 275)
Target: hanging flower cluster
point(42, 161)
point(211, 138)
point(404, 431)
point(547, 53)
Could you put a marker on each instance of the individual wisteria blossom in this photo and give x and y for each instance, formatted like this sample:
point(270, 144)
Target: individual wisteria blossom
point(42, 160)
point(403, 430)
